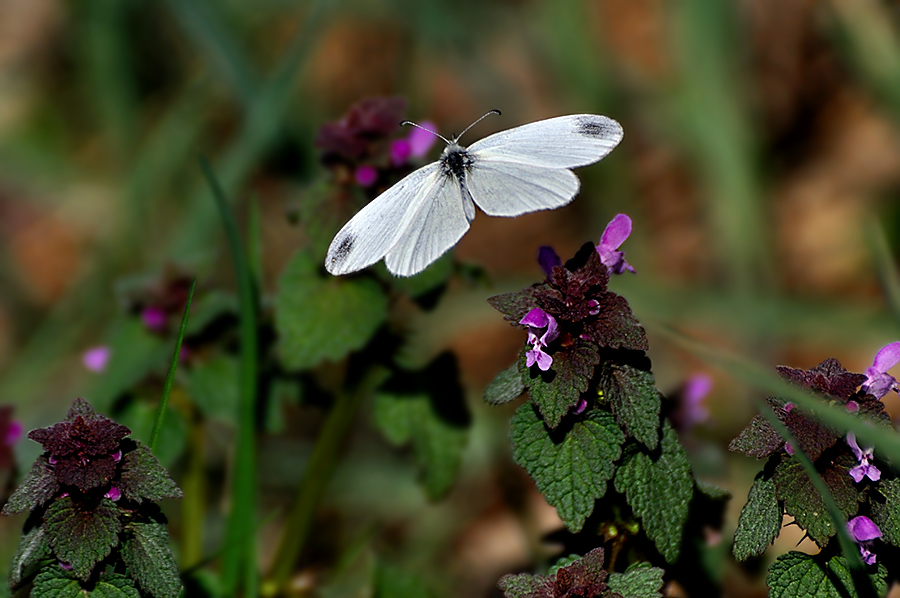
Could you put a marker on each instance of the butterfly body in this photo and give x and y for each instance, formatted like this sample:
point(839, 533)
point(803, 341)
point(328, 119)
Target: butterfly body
point(509, 173)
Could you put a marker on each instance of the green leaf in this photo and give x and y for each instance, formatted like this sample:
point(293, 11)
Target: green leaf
point(571, 467)
point(145, 550)
point(639, 581)
point(393, 582)
point(209, 307)
point(803, 502)
point(320, 319)
point(506, 387)
point(557, 390)
point(429, 279)
point(32, 549)
point(800, 575)
point(134, 353)
point(759, 439)
point(143, 478)
point(54, 582)
point(213, 387)
point(140, 417)
point(437, 443)
point(659, 491)
point(886, 510)
point(38, 487)
point(524, 585)
point(563, 562)
point(760, 520)
point(82, 536)
point(634, 400)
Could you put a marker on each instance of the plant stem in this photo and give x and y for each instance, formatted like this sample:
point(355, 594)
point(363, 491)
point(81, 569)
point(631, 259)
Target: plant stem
point(318, 475)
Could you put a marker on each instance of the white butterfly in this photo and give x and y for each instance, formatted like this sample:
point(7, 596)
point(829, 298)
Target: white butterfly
point(508, 173)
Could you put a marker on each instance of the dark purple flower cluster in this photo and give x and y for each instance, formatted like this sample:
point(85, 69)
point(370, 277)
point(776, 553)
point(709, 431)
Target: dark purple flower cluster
point(359, 140)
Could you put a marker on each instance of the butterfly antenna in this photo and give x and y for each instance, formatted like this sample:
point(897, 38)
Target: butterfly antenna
point(409, 122)
point(494, 111)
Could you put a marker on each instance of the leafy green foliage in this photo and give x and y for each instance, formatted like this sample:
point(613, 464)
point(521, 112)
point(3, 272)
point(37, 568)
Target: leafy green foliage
point(54, 582)
point(427, 409)
point(570, 467)
point(143, 478)
point(886, 510)
point(32, 549)
point(213, 386)
point(146, 553)
point(799, 575)
point(38, 487)
point(759, 439)
point(557, 390)
point(80, 534)
point(648, 483)
point(393, 582)
point(506, 386)
point(583, 577)
point(634, 400)
point(320, 319)
point(760, 520)
point(803, 502)
point(638, 581)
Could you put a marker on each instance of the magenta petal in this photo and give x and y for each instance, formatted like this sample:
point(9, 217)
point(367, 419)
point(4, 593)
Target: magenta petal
point(420, 141)
point(887, 357)
point(552, 331)
point(154, 318)
point(868, 556)
point(365, 175)
point(13, 432)
point(858, 473)
point(863, 529)
point(536, 318)
point(531, 357)
point(616, 232)
point(851, 440)
point(401, 150)
point(544, 361)
point(96, 358)
point(548, 259)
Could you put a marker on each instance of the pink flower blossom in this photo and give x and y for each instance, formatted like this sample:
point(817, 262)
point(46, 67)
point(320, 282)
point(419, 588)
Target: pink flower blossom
point(878, 382)
point(616, 233)
point(96, 358)
point(536, 320)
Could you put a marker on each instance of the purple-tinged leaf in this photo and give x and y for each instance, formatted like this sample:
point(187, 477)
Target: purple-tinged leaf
point(143, 478)
point(559, 389)
point(38, 487)
point(82, 535)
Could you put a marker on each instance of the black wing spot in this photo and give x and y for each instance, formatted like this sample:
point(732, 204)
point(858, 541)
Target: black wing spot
point(343, 248)
point(596, 128)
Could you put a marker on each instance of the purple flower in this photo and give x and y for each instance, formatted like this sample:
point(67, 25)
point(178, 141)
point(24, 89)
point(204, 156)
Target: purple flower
point(548, 259)
point(878, 382)
point(690, 409)
point(536, 320)
point(65, 566)
point(365, 175)
point(96, 358)
point(615, 234)
point(582, 405)
point(864, 456)
point(863, 530)
point(113, 494)
point(416, 145)
point(154, 318)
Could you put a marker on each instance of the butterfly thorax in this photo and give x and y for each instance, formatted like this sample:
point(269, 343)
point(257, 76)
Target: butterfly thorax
point(456, 160)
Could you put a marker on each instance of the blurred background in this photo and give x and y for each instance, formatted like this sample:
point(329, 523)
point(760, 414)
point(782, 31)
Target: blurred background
point(760, 167)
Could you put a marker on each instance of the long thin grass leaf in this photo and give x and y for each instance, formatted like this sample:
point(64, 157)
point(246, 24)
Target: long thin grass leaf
point(239, 566)
point(170, 376)
point(861, 580)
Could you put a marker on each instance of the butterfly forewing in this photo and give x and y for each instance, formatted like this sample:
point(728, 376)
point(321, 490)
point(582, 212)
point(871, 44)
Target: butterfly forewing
point(561, 142)
point(376, 228)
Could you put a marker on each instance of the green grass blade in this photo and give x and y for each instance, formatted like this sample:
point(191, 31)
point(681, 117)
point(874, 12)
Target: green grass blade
point(170, 376)
point(239, 562)
point(861, 580)
point(886, 441)
point(885, 266)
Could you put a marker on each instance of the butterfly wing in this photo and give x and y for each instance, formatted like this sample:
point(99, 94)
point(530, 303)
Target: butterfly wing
point(375, 229)
point(527, 168)
point(438, 224)
point(561, 142)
